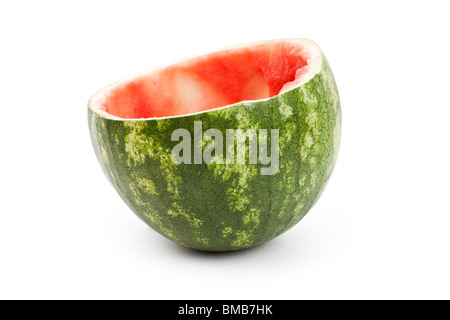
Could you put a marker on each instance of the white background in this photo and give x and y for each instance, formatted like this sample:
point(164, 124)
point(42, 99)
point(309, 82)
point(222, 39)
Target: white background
point(380, 230)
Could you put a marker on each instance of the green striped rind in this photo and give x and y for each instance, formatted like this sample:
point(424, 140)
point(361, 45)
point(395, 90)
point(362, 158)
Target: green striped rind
point(221, 207)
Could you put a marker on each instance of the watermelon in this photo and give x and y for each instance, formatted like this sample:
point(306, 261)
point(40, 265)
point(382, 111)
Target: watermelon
point(225, 150)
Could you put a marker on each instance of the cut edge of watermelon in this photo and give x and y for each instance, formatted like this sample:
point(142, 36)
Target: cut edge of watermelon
point(211, 81)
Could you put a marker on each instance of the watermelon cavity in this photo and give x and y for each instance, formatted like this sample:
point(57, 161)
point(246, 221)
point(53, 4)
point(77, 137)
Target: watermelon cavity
point(210, 81)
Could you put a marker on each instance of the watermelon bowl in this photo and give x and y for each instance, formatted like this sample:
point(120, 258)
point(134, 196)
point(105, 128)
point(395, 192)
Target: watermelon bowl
point(225, 150)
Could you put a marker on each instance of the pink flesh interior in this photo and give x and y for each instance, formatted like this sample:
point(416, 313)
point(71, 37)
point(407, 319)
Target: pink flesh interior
point(208, 82)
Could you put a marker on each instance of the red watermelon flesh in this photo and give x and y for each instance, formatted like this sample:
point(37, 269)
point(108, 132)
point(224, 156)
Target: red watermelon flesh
point(210, 81)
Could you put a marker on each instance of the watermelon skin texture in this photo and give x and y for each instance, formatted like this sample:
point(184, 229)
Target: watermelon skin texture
point(219, 207)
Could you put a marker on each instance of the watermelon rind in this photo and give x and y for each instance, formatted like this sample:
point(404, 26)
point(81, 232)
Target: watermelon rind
point(220, 206)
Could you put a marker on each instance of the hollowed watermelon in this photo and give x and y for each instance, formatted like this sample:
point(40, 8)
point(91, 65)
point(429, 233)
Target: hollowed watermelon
point(282, 85)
